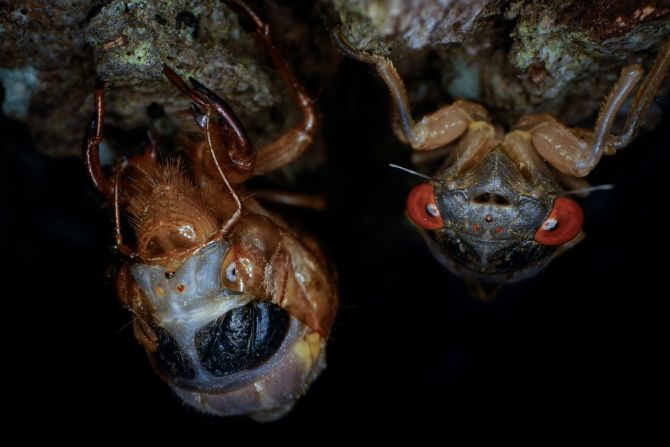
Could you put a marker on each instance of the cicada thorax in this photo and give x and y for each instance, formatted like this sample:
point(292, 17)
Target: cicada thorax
point(170, 216)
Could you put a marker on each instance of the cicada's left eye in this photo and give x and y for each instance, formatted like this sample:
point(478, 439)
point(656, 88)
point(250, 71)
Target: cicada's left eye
point(422, 208)
point(563, 224)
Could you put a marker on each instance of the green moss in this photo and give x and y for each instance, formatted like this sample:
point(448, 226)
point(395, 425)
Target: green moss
point(142, 54)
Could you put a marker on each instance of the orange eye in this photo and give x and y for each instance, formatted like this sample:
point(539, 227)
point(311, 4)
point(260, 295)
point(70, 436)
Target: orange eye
point(563, 224)
point(422, 208)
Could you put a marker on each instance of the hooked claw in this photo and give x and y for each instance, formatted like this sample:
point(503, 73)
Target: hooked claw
point(199, 115)
point(208, 105)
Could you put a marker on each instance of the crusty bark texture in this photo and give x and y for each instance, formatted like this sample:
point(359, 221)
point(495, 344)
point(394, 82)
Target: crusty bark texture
point(514, 57)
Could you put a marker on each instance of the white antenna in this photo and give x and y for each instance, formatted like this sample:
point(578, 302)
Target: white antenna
point(409, 171)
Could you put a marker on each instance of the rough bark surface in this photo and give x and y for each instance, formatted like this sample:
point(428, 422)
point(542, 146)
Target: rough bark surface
point(51, 54)
point(513, 56)
point(516, 57)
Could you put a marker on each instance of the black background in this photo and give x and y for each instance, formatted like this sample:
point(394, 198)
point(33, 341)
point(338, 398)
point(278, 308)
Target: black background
point(582, 343)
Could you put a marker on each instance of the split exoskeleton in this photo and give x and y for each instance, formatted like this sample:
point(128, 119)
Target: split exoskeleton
point(497, 211)
point(232, 307)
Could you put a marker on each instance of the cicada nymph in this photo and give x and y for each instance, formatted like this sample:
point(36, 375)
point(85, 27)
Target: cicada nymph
point(232, 307)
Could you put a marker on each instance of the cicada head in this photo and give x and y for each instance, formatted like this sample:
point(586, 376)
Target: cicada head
point(493, 222)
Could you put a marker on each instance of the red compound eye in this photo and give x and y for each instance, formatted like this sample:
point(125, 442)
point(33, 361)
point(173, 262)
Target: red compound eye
point(422, 208)
point(563, 224)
